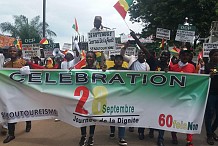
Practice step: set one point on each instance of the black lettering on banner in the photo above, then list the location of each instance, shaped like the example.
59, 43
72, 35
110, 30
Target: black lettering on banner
99, 76
48, 80
14, 76
81, 78
174, 79
35, 78
65, 78
154, 80
116, 78
133, 77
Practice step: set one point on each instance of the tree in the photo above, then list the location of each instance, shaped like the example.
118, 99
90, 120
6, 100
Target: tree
24, 29
169, 13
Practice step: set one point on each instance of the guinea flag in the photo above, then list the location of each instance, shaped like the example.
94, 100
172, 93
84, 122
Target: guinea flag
122, 7
18, 44
44, 41
75, 26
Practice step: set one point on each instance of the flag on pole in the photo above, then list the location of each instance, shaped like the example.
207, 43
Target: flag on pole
75, 26
18, 44
44, 41
82, 62
162, 43
122, 7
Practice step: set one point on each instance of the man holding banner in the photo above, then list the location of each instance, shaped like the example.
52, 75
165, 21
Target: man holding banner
15, 62
183, 66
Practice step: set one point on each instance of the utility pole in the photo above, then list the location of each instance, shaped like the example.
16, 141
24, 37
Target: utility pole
44, 11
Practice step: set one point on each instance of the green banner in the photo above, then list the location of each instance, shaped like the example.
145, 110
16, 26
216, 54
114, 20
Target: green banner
169, 101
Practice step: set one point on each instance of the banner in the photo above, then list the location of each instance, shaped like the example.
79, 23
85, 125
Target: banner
169, 101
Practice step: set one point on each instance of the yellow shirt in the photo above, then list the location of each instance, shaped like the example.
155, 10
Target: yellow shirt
19, 63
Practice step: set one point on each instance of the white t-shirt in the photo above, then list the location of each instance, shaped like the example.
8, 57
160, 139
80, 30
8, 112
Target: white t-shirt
2, 59
140, 66
72, 63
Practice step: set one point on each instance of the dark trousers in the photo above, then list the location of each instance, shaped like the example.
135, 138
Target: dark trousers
11, 127
141, 130
121, 131
211, 108
91, 130
160, 136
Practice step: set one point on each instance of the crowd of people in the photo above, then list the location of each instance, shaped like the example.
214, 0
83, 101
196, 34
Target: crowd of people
144, 61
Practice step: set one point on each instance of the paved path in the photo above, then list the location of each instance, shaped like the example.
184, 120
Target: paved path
50, 133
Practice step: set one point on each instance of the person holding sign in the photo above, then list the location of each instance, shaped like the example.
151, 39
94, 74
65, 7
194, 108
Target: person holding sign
97, 24
15, 62
97, 28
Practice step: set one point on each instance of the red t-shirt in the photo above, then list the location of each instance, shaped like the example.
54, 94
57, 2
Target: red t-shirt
189, 68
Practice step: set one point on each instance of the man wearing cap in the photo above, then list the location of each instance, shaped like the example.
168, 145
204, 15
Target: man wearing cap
183, 65
71, 60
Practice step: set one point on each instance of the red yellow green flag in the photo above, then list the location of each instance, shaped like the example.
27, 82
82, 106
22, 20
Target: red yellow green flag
82, 62
44, 41
18, 44
75, 26
162, 44
122, 7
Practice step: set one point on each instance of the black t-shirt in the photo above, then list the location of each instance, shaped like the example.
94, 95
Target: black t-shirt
214, 79
161, 65
152, 62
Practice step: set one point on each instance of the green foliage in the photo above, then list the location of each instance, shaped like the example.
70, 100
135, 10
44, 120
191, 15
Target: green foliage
169, 13
24, 29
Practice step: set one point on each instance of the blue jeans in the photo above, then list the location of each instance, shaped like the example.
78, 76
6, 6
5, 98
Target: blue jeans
160, 136
91, 131
211, 108
121, 131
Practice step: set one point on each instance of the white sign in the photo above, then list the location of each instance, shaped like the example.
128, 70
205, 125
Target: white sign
114, 52
67, 46
207, 47
163, 33
101, 40
129, 51
185, 36
48, 49
125, 38
31, 50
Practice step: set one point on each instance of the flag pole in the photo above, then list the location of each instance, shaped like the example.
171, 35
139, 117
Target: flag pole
127, 24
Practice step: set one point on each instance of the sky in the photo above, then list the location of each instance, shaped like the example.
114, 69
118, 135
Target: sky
60, 15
